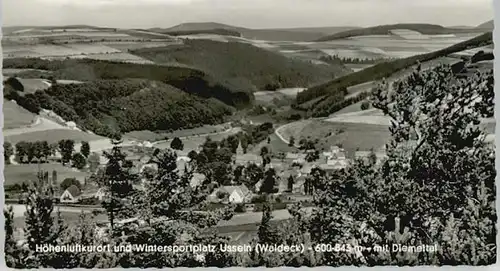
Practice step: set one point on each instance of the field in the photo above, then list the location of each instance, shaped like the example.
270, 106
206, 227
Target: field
156, 136
20, 173
52, 136
193, 142
15, 116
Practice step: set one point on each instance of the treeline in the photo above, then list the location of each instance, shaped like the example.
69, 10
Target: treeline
333, 104
189, 80
39, 151
386, 69
335, 59
243, 66
108, 107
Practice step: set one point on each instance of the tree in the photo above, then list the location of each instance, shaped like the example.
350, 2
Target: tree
266, 233
439, 186
13, 253
177, 144
69, 182
94, 161
117, 181
66, 147
41, 226
8, 151
21, 151
253, 174
291, 142
193, 155
79, 160
264, 153
85, 149
270, 182
268, 140
290, 183
54, 176
312, 155
244, 142
365, 105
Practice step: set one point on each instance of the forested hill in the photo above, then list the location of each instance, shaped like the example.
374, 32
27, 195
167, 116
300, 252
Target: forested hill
244, 66
189, 80
320, 100
426, 29
107, 107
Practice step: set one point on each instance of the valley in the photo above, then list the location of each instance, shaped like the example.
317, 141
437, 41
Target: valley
250, 115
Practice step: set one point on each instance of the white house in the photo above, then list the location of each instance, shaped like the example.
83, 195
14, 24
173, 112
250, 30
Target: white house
237, 194
71, 195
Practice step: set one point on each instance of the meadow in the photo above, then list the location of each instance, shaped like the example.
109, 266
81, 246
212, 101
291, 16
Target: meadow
52, 136
17, 174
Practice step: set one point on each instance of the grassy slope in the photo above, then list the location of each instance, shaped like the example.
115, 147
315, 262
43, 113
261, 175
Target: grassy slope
246, 66
383, 70
189, 80
427, 29
15, 116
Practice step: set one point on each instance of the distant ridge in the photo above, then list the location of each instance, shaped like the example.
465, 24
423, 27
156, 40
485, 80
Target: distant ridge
272, 34
426, 29
489, 25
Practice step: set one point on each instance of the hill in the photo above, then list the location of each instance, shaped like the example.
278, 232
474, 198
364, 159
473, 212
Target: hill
489, 25
197, 26
106, 107
426, 29
320, 99
292, 34
187, 79
245, 66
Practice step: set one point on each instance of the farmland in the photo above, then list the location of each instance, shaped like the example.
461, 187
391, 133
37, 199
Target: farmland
16, 116
17, 174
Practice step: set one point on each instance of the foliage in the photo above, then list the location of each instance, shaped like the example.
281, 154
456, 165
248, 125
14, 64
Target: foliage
41, 227
69, 182
177, 144
365, 105
244, 66
436, 186
270, 182
85, 149
312, 155
79, 161
117, 180
26, 152
66, 147
8, 151
214, 161
107, 107
240, 208
187, 79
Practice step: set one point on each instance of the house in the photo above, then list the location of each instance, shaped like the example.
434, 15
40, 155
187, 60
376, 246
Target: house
71, 195
197, 179
246, 158
97, 193
236, 194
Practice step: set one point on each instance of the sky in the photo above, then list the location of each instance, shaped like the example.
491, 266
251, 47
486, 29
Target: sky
245, 13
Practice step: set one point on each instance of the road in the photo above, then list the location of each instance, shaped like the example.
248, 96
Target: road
352, 92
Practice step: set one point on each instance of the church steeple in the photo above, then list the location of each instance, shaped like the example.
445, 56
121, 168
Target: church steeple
239, 150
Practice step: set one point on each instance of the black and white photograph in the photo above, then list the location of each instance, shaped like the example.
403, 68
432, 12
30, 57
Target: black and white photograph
238, 133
